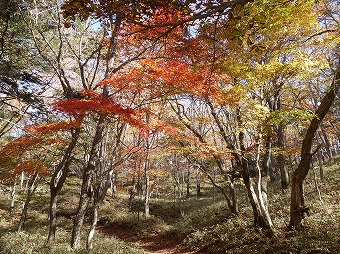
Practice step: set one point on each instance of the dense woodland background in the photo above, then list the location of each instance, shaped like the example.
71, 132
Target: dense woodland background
169, 126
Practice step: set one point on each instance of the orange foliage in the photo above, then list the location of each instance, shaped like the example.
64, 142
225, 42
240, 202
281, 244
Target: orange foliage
156, 24
12, 160
95, 102
170, 77
157, 125
19, 146
29, 166
52, 127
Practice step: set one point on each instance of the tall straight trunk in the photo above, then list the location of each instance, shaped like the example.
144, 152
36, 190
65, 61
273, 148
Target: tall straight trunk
13, 190
95, 215
30, 190
281, 158
133, 190
147, 176
57, 182
267, 164
85, 193
113, 183
22, 179
275, 105
147, 194
319, 155
180, 195
232, 191
298, 208
148, 145
94, 220
52, 215
188, 183
327, 143
198, 185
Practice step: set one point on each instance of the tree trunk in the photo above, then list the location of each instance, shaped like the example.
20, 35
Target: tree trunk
101, 184
198, 185
85, 196
22, 179
275, 105
89, 171
234, 205
260, 213
298, 207
327, 143
30, 190
94, 221
132, 191
281, 159
188, 183
85, 193
13, 189
319, 154
113, 183
262, 187
267, 163
147, 194
57, 182
259, 220
52, 216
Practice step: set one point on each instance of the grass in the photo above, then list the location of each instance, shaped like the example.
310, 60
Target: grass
207, 226
236, 235
34, 242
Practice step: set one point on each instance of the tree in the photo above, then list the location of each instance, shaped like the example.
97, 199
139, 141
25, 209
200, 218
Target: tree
298, 208
20, 83
21, 156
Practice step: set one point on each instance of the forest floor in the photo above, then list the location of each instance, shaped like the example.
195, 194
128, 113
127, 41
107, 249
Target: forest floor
207, 226
153, 243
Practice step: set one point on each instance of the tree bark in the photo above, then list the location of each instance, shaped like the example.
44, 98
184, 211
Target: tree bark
188, 182
147, 177
327, 143
319, 155
13, 189
198, 185
281, 158
113, 183
94, 221
30, 190
147, 194
85, 193
298, 208
261, 181
284, 176
260, 213
57, 182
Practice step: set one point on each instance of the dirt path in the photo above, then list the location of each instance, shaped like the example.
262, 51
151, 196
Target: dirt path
155, 243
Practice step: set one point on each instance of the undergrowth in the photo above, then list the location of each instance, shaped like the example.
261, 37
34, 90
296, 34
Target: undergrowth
214, 230
205, 225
